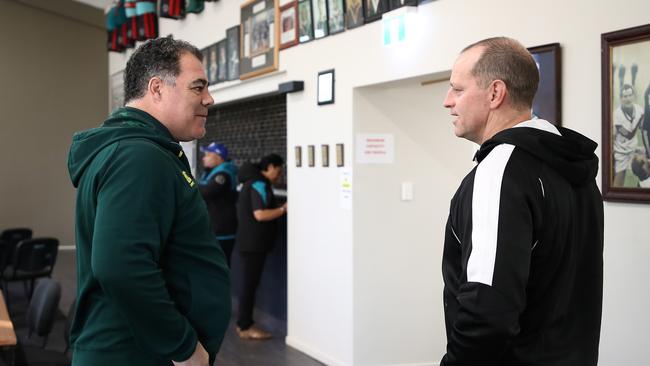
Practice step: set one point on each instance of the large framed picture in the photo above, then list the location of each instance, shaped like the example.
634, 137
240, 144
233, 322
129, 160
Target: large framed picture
626, 114
336, 16
319, 11
547, 103
374, 9
232, 52
305, 21
213, 61
259, 38
222, 60
289, 25
394, 4
206, 61
354, 13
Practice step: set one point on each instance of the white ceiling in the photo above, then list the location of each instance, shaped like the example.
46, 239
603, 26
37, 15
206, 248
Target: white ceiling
101, 4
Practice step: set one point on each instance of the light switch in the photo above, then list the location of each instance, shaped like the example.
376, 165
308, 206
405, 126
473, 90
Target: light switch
407, 191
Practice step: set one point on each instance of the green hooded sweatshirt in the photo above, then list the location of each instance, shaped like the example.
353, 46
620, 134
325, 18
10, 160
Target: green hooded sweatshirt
151, 278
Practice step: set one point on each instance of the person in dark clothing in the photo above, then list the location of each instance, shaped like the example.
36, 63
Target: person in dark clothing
257, 211
218, 186
523, 252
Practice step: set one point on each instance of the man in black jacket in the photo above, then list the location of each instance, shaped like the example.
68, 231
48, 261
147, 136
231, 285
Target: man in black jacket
257, 211
523, 253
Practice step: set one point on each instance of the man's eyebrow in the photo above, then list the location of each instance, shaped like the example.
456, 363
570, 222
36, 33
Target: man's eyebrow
201, 82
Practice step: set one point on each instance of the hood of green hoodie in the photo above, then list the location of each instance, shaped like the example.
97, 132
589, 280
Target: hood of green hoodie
124, 123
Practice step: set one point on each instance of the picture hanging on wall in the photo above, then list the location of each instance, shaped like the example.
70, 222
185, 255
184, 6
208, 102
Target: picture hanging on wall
626, 114
214, 65
310, 155
354, 13
298, 156
374, 9
325, 93
222, 60
206, 61
325, 155
319, 11
394, 4
289, 25
547, 103
336, 16
259, 38
340, 158
305, 21
232, 52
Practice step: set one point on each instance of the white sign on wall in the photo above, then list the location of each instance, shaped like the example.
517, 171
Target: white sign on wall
375, 148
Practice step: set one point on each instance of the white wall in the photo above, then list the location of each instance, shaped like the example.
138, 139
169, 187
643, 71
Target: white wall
332, 277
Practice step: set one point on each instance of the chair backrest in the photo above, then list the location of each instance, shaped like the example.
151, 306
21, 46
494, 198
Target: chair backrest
36, 256
6, 252
43, 306
16, 235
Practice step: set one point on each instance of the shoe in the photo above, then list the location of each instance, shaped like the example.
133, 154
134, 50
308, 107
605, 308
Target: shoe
253, 333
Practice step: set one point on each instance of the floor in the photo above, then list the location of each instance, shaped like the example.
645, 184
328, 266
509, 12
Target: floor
234, 351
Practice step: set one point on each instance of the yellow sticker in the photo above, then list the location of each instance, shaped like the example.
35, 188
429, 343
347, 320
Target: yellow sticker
188, 179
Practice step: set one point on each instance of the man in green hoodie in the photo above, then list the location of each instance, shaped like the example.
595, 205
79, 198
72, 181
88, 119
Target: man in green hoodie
153, 284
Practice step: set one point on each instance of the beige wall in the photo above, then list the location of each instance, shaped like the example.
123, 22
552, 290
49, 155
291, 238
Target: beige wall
53, 73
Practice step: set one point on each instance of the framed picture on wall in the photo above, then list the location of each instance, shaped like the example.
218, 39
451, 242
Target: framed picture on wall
626, 114
259, 37
325, 155
374, 9
232, 52
298, 156
305, 21
335, 16
222, 60
206, 61
214, 64
394, 4
325, 92
310, 155
289, 25
354, 13
319, 12
547, 103
340, 158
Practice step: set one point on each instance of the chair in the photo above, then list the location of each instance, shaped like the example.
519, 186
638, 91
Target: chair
33, 258
9, 238
43, 308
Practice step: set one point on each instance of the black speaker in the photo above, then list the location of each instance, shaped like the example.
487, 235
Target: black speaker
291, 86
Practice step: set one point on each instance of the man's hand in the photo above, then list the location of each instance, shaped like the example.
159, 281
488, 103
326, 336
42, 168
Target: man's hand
200, 357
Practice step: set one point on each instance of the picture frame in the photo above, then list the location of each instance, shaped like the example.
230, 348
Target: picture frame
625, 69
259, 38
320, 19
298, 156
222, 61
354, 13
326, 81
547, 103
373, 9
289, 25
213, 70
325, 155
310, 156
340, 156
305, 21
206, 62
335, 16
232, 52
394, 4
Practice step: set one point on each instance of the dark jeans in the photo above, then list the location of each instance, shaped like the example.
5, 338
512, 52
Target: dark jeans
227, 245
252, 264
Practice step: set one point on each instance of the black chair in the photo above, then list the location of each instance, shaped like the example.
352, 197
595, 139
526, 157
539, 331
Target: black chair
33, 258
43, 308
9, 238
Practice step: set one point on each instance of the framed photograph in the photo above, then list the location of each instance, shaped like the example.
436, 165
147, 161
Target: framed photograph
340, 158
259, 37
326, 87
222, 61
232, 52
335, 16
319, 12
394, 4
626, 114
305, 21
206, 61
310, 155
354, 13
325, 155
214, 64
548, 100
374, 9
298, 155
289, 25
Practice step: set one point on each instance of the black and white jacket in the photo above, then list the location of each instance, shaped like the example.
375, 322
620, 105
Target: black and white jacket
523, 254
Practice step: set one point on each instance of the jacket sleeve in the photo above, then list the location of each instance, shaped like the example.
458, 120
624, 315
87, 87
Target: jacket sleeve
135, 211
218, 185
493, 297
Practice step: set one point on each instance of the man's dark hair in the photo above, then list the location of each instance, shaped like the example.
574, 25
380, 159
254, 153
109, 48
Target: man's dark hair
271, 159
157, 57
627, 87
507, 60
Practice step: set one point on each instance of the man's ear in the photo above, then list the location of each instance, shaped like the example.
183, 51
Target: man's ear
497, 93
154, 88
